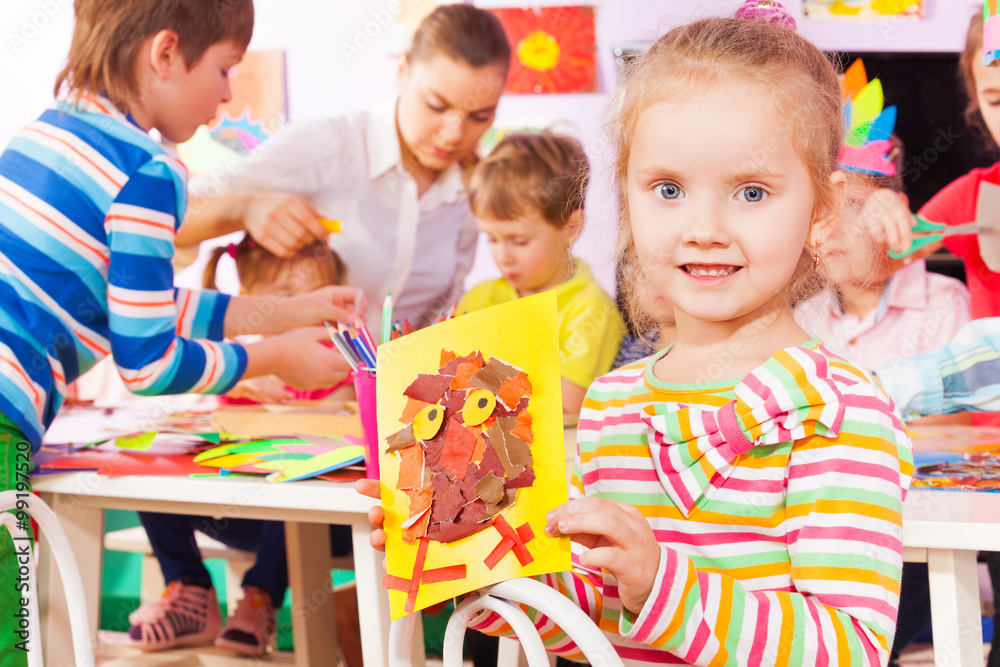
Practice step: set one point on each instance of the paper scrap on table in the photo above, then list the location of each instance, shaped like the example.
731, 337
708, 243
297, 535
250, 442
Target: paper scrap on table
473, 456
285, 459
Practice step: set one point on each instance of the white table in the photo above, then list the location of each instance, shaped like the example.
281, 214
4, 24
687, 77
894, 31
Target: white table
79, 500
945, 529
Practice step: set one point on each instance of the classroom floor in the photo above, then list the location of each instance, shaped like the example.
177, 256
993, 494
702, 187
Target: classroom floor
921, 655
112, 653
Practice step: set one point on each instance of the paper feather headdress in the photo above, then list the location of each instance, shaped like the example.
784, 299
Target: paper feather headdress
991, 32
868, 139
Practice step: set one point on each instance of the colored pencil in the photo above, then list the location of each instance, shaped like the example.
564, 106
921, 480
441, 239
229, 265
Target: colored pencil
362, 347
387, 318
360, 325
342, 346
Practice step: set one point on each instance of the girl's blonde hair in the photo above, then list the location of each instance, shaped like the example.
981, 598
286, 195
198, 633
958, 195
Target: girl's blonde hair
526, 173
973, 49
258, 268
801, 83
108, 34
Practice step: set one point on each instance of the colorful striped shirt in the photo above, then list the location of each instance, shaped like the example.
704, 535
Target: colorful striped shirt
777, 505
89, 205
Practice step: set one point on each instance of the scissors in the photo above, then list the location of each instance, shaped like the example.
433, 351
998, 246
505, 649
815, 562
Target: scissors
932, 232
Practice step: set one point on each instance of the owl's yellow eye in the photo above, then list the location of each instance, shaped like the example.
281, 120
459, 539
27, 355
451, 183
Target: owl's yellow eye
478, 407
428, 422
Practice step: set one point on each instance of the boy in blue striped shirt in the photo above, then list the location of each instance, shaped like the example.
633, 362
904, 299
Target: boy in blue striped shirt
89, 205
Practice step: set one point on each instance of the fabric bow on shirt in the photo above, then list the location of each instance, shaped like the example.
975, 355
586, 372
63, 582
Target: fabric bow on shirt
788, 397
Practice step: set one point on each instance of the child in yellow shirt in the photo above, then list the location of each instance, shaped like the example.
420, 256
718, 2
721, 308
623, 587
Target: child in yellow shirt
528, 197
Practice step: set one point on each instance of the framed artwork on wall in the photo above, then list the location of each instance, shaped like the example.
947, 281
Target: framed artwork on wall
863, 10
553, 49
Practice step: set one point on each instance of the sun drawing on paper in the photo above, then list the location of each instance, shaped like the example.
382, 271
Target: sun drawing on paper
466, 448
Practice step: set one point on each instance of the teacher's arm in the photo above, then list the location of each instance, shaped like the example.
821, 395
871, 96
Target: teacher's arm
269, 193
281, 222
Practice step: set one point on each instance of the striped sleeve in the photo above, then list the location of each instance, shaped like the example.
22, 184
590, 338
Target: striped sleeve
145, 321
201, 313
960, 376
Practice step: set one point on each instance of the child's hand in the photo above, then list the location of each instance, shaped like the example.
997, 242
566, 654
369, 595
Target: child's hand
282, 223
304, 359
263, 389
327, 304
886, 214
371, 488
619, 540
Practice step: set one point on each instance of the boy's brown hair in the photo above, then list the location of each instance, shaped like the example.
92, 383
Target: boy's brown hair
108, 34
526, 172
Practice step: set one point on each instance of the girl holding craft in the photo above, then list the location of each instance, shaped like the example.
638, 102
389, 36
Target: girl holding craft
393, 176
744, 479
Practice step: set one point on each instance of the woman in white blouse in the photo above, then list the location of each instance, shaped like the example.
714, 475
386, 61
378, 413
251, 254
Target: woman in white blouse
394, 175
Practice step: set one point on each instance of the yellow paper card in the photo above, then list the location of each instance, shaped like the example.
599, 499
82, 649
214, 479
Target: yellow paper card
489, 389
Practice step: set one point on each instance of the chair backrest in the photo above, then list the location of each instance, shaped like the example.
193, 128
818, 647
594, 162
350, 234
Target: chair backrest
68, 571
502, 598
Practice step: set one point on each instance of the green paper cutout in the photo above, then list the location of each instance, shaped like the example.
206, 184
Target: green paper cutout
859, 135
286, 456
259, 446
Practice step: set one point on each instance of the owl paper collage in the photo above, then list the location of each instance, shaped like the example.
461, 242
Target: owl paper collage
472, 452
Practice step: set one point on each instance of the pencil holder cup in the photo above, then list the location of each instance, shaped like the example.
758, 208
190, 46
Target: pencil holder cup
364, 388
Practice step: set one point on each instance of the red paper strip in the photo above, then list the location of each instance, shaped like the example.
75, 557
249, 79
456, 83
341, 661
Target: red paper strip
394, 583
499, 551
439, 574
520, 550
432, 576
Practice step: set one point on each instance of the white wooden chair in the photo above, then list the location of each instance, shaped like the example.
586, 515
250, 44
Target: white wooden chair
502, 598
62, 553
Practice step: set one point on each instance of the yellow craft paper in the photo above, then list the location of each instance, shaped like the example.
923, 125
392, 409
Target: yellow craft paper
522, 333
230, 460
139, 442
868, 104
